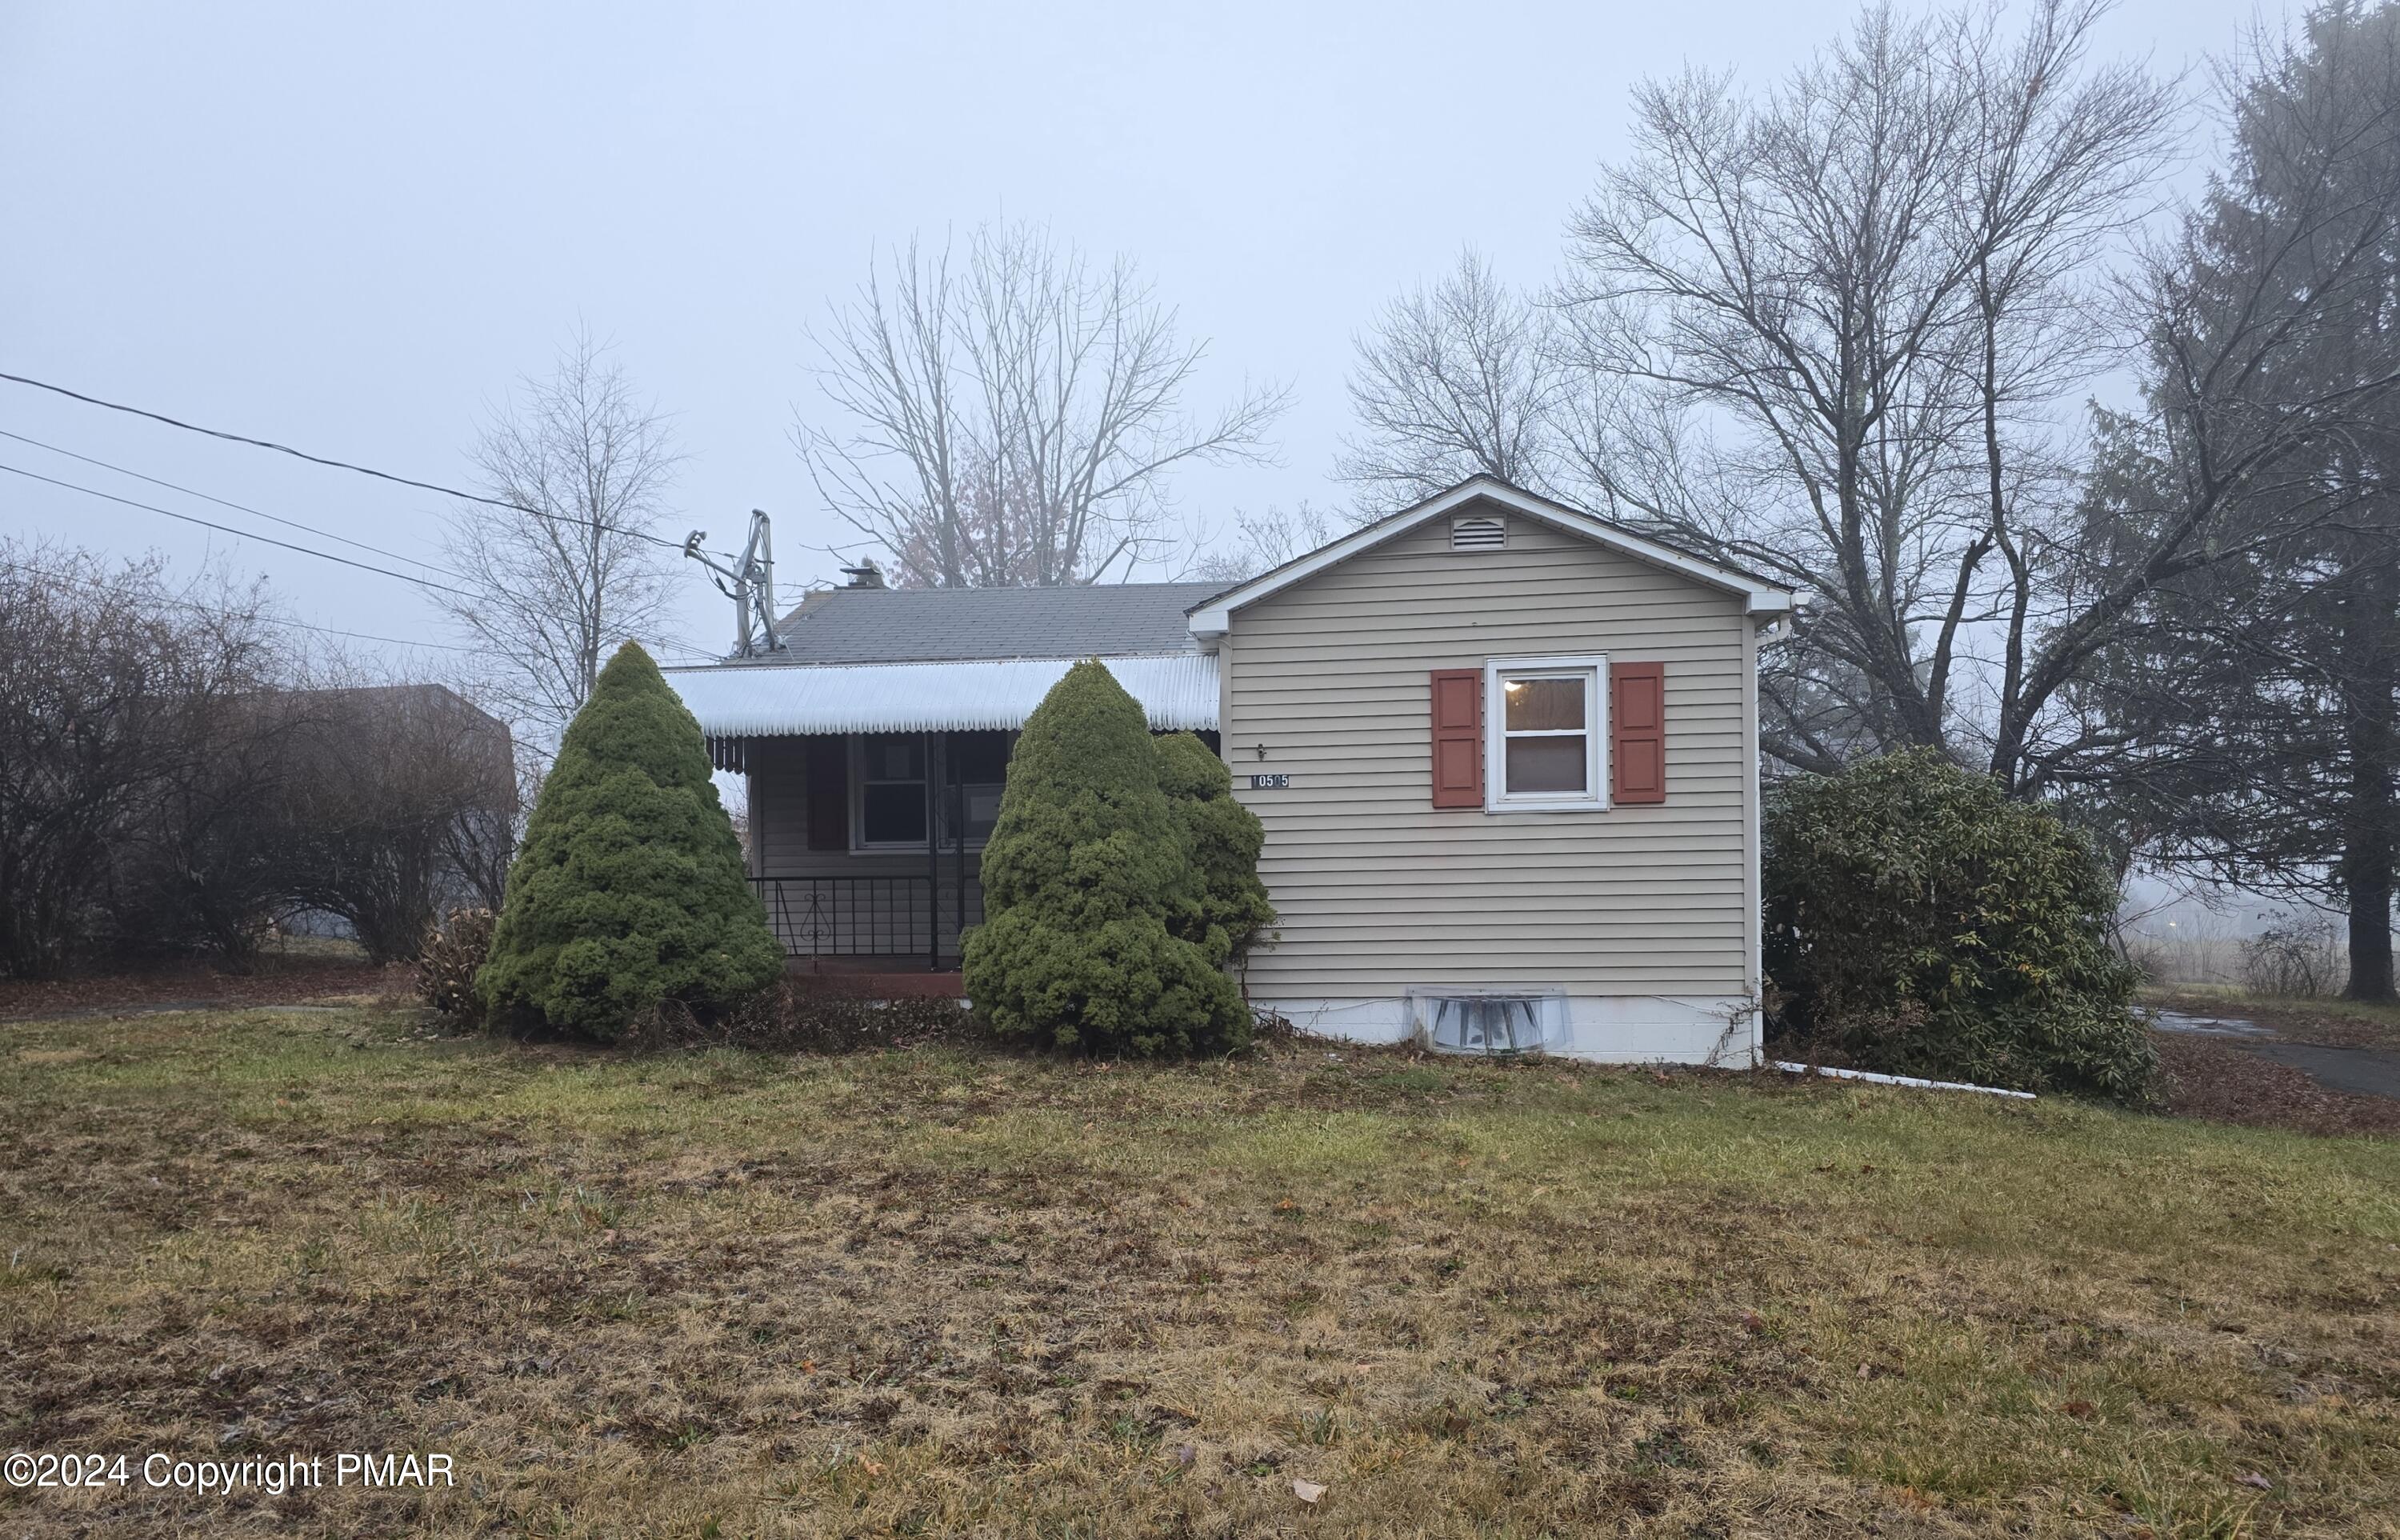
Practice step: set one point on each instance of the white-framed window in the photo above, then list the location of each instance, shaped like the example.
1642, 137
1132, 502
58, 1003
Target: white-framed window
1546, 734
887, 788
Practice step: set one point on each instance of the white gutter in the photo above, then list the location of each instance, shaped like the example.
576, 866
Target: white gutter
1911, 1081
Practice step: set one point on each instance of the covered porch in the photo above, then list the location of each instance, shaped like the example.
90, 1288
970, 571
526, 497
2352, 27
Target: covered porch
872, 789
866, 848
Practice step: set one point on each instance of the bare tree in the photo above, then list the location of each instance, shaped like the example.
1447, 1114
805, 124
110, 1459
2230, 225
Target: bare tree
120, 782
1454, 379
1831, 332
402, 801
1263, 541
575, 567
1016, 421
2061, 156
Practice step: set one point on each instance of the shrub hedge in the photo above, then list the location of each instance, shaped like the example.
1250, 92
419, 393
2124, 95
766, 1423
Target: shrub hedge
1921, 922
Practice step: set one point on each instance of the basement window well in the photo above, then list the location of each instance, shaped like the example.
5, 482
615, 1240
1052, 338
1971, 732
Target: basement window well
1493, 1023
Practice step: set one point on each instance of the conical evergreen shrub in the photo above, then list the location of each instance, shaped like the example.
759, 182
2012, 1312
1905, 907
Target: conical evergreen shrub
1224, 839
629, 890
1089, 892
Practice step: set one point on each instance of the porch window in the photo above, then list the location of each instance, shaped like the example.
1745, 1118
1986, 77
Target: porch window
890, 781
890, 772
1544, 720
976, 774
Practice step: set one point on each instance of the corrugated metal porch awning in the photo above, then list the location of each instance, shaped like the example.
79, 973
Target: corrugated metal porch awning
1178, 692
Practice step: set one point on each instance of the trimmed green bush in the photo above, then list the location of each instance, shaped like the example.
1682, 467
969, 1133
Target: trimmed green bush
629, 890
1222, 837
1923, 924
1089, 892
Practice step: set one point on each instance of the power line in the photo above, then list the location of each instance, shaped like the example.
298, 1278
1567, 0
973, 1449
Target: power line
368, 636
244, 534
342, 465
226, 502
153, 596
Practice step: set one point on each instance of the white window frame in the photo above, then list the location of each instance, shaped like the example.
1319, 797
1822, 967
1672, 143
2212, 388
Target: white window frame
1593, 669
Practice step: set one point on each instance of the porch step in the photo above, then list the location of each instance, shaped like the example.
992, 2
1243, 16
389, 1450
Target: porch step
875, 978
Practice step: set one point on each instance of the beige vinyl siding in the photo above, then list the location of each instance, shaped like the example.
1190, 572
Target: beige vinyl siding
1377, 890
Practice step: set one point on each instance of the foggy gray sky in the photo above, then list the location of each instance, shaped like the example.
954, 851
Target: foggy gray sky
350, 233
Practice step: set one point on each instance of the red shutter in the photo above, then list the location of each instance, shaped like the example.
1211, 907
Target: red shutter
1458, 738
828, 790
1637, 732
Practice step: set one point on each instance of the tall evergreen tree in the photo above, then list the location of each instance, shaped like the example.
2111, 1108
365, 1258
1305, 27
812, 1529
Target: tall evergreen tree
629, 890
2248, 722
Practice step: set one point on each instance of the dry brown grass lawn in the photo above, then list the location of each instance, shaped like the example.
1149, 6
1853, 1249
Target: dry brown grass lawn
944, 1292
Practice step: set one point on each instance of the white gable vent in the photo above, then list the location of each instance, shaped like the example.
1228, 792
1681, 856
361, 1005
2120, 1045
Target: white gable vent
1479, 532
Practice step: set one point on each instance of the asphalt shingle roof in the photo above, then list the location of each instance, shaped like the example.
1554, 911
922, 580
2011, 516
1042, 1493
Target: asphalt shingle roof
895, 625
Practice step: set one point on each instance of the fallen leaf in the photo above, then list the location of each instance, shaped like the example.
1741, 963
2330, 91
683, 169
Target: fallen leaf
2253, 1480
870, 1466
808, 1365
2080, 1409
1866, 1372
1307, 1491
1750, 1323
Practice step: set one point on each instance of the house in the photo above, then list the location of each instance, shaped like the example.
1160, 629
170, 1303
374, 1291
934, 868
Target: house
1505, 754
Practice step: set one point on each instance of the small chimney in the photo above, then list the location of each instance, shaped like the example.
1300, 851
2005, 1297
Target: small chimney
865, 574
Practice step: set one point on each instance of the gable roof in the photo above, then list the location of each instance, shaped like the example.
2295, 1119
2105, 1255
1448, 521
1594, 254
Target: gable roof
897, 626
1213, 616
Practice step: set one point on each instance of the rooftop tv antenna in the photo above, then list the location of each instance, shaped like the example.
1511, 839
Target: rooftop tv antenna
752, 586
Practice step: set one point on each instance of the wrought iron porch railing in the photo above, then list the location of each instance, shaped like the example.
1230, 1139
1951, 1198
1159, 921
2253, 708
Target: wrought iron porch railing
867, 916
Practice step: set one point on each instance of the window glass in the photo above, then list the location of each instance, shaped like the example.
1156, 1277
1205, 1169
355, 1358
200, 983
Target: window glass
892, 791
978, 770
1546, 765
1544, 705
895, 758
892, 813
982, 809
1544, 730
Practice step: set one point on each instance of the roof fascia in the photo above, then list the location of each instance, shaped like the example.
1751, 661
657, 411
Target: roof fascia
1214, 617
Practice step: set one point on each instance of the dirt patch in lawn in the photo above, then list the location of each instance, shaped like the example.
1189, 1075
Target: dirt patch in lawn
947, 1291
270, 979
